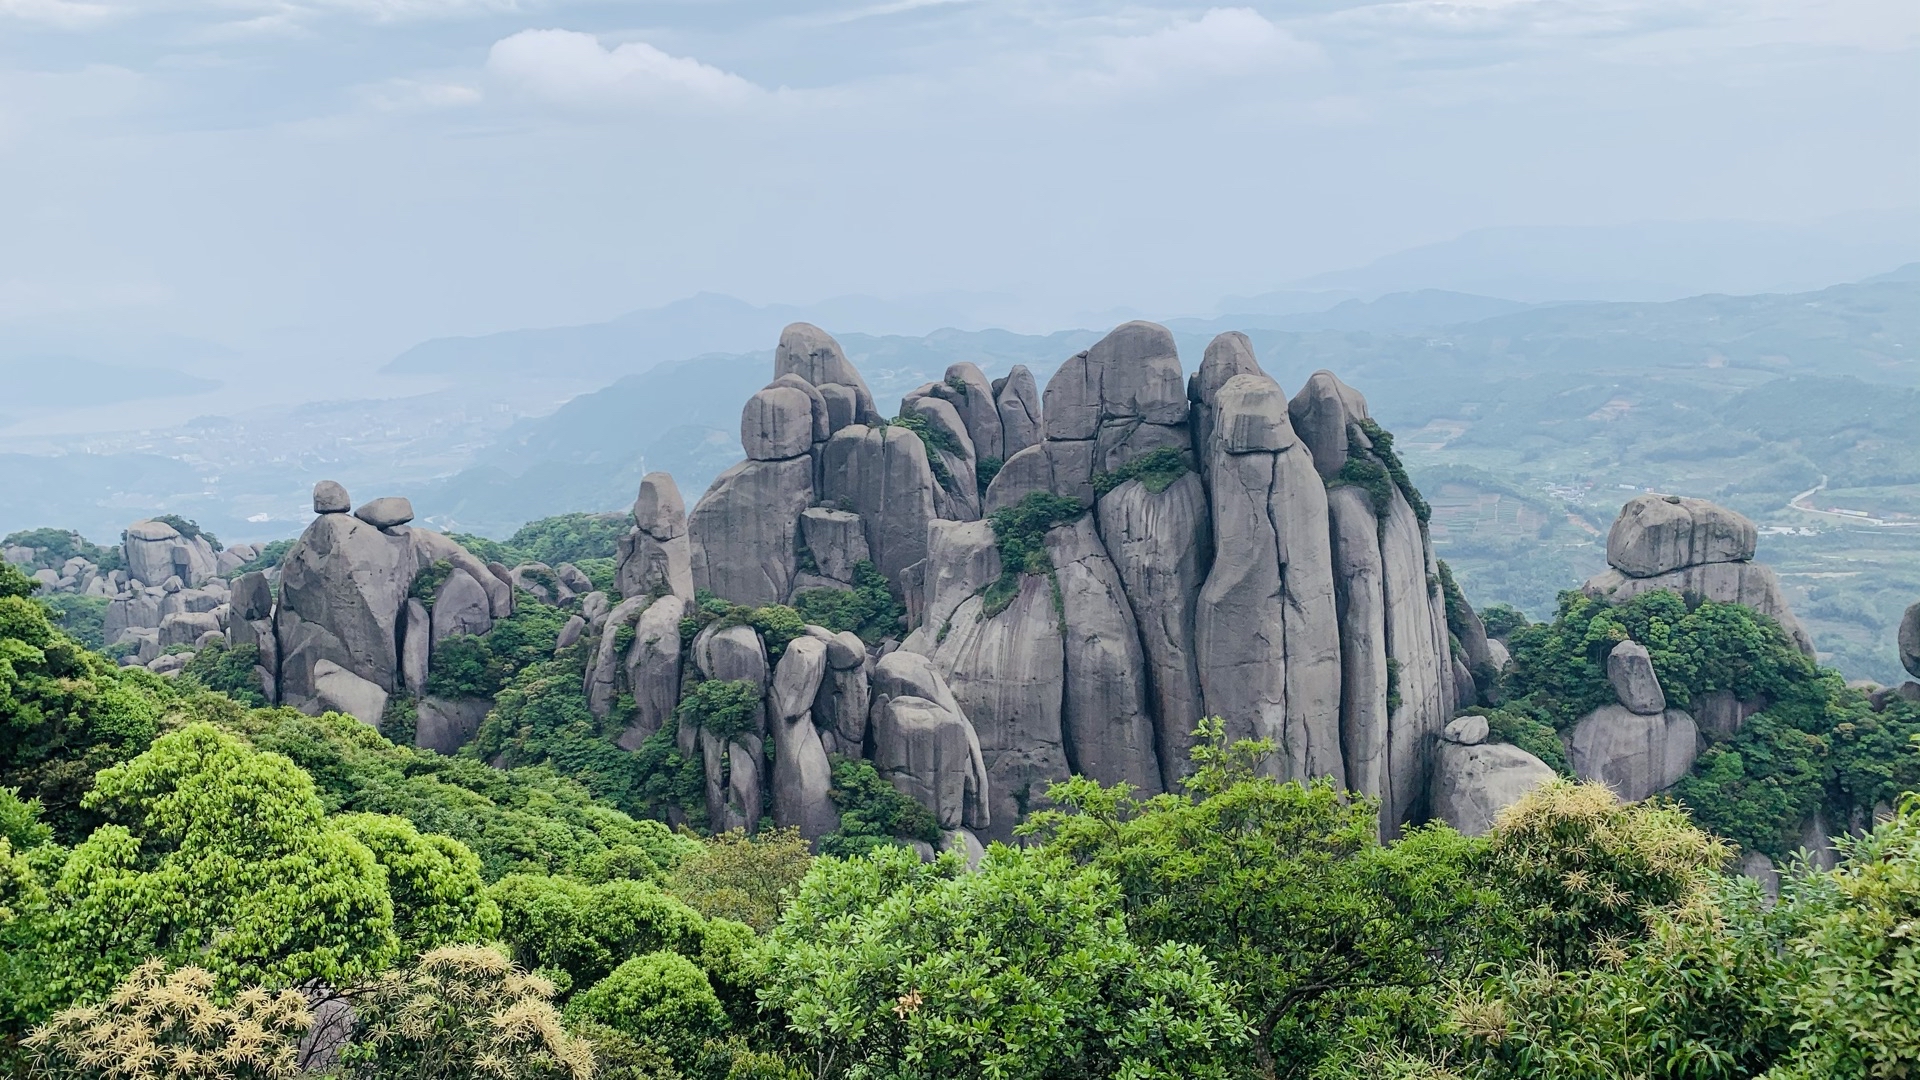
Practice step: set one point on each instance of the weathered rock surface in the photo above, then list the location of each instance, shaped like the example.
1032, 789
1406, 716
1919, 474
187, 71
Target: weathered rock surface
330, 498
335, 689
656, 555
1018, 401
1909, 641
386, 513
1227, 355
416, 639
837, 539
809, 352
956, 492
1473, 782
776, 424
1010, 670
882, 475
1267, 636
155, 551
1104, 711
1633, 754
460, 607
1657, 534
1060, 467
652, 669
444, 725
342, 587
742, 531
1630, 670
1161, 545
802, 775
966, 388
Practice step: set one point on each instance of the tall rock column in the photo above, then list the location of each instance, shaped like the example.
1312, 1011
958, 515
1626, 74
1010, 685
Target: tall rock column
742, 531
1266, 629
343, 586
1397, 667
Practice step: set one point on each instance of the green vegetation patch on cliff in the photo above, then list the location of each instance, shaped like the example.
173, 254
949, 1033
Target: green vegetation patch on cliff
936, 440
1020, 532
1156, 470
868, 609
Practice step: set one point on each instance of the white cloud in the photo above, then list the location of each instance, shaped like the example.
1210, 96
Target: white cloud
65, 14
419, 95
566, 67
1221, 42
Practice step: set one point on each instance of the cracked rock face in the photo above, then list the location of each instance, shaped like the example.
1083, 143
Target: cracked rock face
1266, 628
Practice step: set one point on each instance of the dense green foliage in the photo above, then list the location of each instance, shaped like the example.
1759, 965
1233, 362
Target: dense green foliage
936, 440
1322, 928
82, 618
721, 706
873, 813
868, 609
53, 547
1816, 747
902, 969
1156, 470
1020, 532
480, 666
555, 540
229, 671
748, 879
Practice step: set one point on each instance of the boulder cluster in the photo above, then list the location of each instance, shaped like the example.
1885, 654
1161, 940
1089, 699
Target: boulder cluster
1088, 573
1696, 548
169, 599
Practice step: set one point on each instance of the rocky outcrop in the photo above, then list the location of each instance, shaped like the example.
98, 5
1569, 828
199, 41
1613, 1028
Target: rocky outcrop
1695, 548
1630, 670
742, 531
1473, 780
1161, 544
802, 775
1266, 630
925, 745
343, 586
882, 475
1017, 399
807, 351
733, 762
1635, 754
1104, 711
656, 555
1909, 641
156, 551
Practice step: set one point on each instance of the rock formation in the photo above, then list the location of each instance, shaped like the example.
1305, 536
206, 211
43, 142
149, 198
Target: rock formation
1473, 780
1694, 547
1211, 549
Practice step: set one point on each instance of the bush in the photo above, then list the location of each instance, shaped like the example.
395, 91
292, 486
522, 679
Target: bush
777, 625
1020, 532
230, 671
868, 609
461, 1012
748, 879
82, 618
873, 813
1156, 471
481, 666
721, 706
660, 997
160, 1024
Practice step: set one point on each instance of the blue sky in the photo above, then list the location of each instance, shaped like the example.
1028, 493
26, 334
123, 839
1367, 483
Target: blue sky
377, 171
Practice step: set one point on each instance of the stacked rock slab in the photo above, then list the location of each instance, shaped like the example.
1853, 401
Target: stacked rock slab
1693, 547
1397, 690
1473, 779
655, 576
1636, 746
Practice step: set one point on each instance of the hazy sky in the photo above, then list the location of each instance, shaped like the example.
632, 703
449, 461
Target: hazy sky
378, 171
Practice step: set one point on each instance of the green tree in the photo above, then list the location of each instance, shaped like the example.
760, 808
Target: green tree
659, 997
1585, 873
433, 881
885, 966
1858, 1005
577, 933
1287, 887
748, 879
220, 855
